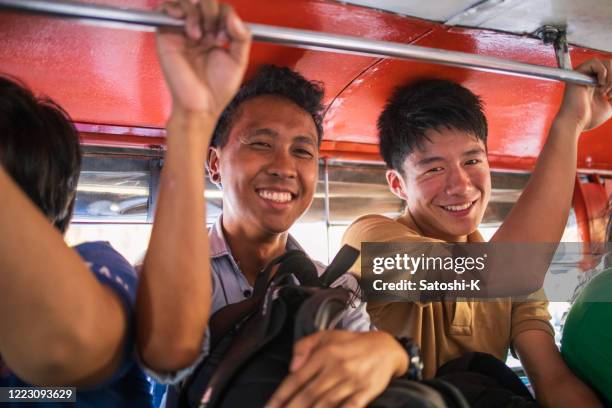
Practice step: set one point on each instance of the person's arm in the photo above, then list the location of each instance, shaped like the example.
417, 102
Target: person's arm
52, 307
175, 290
548, 195
553, 382
340, 369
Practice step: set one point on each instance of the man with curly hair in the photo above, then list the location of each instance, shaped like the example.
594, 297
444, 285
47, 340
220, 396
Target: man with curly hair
264, 157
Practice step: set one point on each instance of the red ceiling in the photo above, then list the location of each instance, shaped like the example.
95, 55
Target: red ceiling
109, 79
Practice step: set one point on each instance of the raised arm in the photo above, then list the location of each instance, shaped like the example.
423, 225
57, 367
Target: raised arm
548, 195
203, 67
51, 306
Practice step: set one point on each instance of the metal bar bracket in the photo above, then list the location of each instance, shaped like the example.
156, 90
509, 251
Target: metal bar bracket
557, 36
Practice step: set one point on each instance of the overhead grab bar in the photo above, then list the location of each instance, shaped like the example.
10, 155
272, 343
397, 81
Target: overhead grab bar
149, 20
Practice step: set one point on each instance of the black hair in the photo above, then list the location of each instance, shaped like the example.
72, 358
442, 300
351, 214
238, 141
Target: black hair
278, 81
415, 108
39, 149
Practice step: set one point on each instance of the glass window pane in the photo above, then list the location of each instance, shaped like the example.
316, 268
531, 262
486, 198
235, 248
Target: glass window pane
109, 195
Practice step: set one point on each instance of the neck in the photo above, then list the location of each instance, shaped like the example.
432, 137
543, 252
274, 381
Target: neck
251, 250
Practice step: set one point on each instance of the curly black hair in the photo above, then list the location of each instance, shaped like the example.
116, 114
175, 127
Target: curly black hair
39, 149
415, 108
279, 81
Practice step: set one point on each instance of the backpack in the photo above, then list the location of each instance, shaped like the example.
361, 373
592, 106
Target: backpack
252, 340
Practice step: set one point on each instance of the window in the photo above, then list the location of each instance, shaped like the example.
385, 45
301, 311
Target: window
114, 201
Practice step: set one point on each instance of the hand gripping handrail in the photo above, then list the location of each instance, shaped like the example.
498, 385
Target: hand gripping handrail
149, 21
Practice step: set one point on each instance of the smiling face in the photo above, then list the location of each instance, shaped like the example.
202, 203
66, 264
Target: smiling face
268, 167
446, 184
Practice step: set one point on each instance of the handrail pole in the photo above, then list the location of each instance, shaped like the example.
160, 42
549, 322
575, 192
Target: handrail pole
143, 19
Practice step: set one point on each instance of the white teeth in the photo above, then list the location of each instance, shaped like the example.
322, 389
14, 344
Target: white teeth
276, 196
458, 207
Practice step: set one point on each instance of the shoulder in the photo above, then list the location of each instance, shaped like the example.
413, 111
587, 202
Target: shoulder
372, 219
347, 280
368, 224
110, 267
101, 251
378, 228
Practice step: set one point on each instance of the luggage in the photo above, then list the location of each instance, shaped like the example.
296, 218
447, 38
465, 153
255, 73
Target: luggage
486, 382
252, 341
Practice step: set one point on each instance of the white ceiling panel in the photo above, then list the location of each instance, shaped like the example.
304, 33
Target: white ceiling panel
438, 10
589, 22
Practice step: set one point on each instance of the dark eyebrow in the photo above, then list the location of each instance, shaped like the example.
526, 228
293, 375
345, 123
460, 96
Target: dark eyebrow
272, 133
429, 160
305, 139
472, 152
433, 159
265, 132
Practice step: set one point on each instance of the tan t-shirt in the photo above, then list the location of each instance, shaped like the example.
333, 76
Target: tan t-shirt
445, 330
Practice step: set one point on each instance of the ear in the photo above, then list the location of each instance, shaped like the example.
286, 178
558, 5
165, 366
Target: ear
397, 185
213, 165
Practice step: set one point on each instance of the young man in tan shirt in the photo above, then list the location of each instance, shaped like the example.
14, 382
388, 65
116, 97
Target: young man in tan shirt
433, 140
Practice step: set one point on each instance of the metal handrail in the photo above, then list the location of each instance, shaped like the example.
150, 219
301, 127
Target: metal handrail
149, 20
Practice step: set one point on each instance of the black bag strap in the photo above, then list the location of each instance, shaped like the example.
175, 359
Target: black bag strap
229, 316
298, 264
255, 334
292, 262
341, 263
258, 328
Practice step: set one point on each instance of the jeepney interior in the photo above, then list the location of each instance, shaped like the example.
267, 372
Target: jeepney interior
109, 81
